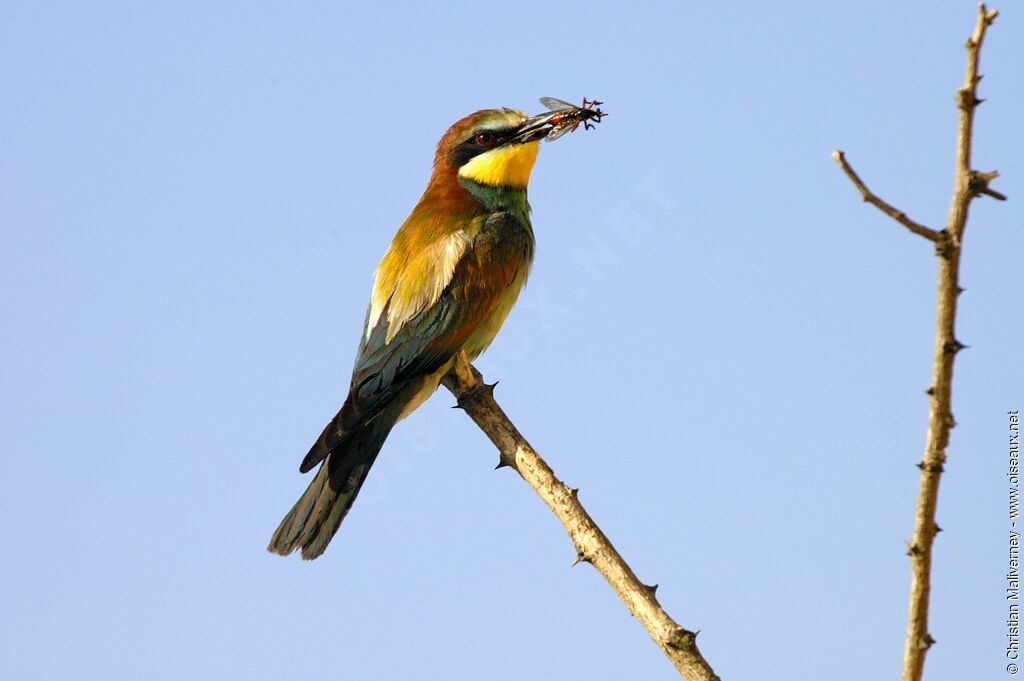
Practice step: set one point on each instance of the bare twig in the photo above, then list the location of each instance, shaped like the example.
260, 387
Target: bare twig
896, 214
968, 184
592, 546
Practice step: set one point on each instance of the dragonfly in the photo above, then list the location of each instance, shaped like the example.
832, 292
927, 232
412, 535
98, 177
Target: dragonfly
567, 117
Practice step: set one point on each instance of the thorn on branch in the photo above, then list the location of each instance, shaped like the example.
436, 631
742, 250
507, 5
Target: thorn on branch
927, 642
998, 196
951, 347
930, 392
978, 183
913, 549
506, 461
581, 558
651, 588
574, 492
681, 639
466, 398
937, 528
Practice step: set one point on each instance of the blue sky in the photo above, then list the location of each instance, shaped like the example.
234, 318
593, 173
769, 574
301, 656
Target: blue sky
720, 345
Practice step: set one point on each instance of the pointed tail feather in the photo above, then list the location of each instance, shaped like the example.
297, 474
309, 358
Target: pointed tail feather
318, 513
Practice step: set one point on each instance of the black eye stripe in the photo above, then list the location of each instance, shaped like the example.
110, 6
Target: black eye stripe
468, 148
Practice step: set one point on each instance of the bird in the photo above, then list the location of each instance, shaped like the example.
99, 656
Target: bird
444, 287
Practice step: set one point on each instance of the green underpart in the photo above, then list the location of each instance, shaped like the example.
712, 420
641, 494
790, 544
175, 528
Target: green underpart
496, 198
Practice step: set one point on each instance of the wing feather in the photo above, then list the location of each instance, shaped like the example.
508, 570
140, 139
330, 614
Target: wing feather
407, 284
425, 333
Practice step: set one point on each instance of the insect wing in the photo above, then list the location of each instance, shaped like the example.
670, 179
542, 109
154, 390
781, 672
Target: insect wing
555, 104
561, 130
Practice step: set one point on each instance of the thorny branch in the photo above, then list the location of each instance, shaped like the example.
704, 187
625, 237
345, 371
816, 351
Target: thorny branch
592, 546
969, 183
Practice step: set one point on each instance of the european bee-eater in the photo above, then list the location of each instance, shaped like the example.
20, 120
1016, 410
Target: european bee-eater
446, 284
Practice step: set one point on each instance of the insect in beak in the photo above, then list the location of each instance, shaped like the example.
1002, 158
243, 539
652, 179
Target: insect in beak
561, 118
569, 116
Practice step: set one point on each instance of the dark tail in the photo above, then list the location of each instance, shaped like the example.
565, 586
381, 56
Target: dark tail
318, 513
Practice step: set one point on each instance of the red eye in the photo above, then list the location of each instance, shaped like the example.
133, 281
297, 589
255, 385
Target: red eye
485, 139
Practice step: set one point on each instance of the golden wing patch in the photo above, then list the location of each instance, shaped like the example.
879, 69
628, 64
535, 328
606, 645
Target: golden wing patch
408, 284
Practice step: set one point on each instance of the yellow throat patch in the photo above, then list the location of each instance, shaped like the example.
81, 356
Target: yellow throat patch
506, 166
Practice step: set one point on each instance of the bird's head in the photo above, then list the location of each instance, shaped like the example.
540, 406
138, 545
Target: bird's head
493, 147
